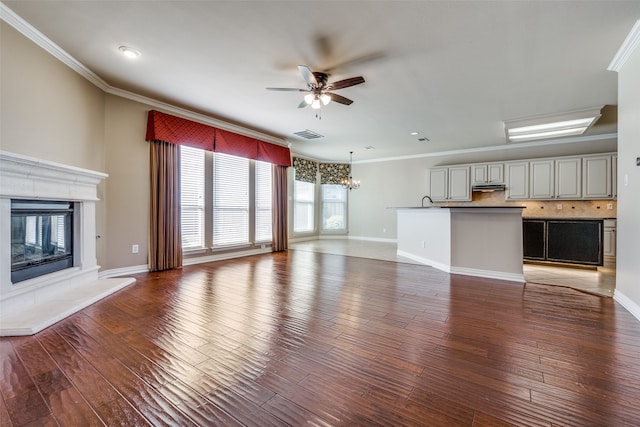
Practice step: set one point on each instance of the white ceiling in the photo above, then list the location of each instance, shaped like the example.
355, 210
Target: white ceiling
451, 70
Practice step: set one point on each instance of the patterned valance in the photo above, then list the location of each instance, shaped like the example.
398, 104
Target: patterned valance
305, 170
176, 130
334, 173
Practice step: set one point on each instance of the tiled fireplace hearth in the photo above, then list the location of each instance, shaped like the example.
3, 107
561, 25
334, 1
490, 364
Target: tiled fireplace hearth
31, 305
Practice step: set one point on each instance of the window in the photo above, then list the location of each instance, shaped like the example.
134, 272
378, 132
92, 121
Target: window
303, 197
230, 200
192, 197
225, 200
334, 207
263, 202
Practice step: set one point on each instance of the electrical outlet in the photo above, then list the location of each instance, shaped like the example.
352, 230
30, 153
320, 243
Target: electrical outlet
609, 206
135, 249
559, 206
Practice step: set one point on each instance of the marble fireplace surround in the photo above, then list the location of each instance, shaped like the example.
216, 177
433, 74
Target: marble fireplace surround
32, 305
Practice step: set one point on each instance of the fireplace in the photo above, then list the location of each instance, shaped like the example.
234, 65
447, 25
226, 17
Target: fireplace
48, 265
41, 238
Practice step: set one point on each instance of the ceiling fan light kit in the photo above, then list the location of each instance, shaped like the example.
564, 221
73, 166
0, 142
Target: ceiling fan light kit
319, 90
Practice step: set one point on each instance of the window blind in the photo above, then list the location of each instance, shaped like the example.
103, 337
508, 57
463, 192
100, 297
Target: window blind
303, 196
192, 197
230, 200
263, 202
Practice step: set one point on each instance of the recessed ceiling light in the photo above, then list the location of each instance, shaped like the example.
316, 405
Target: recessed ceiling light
414, 133
369, 147
130, 52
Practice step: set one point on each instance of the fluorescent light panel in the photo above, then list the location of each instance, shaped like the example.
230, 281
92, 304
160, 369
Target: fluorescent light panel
551, 126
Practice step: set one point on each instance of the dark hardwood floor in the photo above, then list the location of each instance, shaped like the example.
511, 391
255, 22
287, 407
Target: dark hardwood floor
303, 338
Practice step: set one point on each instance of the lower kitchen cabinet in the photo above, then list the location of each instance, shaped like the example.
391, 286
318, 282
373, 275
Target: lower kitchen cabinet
609, 243
563, 240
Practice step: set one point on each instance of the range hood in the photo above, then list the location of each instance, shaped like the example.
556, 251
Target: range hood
488, 188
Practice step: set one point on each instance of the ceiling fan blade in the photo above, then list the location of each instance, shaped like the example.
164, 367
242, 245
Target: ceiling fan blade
303, 104
341, 84
307, 75
339, 99
287, 89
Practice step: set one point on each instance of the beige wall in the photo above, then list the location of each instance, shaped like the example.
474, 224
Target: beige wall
48, 110
127, 188
398, 183
628, 224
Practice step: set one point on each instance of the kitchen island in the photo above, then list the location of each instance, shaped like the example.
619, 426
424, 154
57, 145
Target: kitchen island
484, 241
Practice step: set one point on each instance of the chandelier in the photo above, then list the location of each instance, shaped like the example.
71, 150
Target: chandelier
350, 183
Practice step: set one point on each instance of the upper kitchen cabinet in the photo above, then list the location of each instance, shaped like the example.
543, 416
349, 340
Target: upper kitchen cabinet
450, 184
541, 183
517, 180
490, 173
597, 177
568, 177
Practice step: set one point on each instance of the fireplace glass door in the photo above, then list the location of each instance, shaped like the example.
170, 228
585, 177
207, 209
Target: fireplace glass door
41, 238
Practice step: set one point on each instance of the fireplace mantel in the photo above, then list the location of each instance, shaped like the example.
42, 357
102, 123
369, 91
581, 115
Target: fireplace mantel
32, 305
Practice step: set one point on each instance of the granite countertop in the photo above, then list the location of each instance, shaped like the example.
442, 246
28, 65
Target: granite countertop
459, 207
567, 218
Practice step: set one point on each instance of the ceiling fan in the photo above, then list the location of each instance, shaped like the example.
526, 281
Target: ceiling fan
319, 90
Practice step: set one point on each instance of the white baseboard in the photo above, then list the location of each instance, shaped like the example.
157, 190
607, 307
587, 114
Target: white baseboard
627, 303
225, 255
431, 263
124, 271
373, 239
489, 274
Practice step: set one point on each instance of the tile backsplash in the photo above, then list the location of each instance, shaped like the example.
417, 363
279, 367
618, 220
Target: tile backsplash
550, 208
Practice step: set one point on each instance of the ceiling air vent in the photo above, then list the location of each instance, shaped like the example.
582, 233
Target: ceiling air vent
308, 134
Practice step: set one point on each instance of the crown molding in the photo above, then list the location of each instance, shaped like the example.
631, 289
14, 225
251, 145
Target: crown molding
628, 46
188, 114
511, 146
26, 29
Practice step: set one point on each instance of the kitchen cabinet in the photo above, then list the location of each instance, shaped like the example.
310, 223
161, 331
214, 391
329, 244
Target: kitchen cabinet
572, 241
517, 180
597, 177
533, 239
609, 240
450, 184
614, 176
491, 173
541, 181
568, 178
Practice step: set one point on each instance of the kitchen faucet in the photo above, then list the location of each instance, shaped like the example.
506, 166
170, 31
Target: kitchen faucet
426, 197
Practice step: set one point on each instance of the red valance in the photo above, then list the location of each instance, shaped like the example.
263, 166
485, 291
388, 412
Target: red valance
176, 130
236, 145
275, 154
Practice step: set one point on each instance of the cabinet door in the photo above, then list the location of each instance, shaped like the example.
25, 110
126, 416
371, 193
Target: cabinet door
479, 174
609, 243
495, 173
517, 180
439, 183
596, 181
541, 179
568, 178
459, 186
614, 177
533, 239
